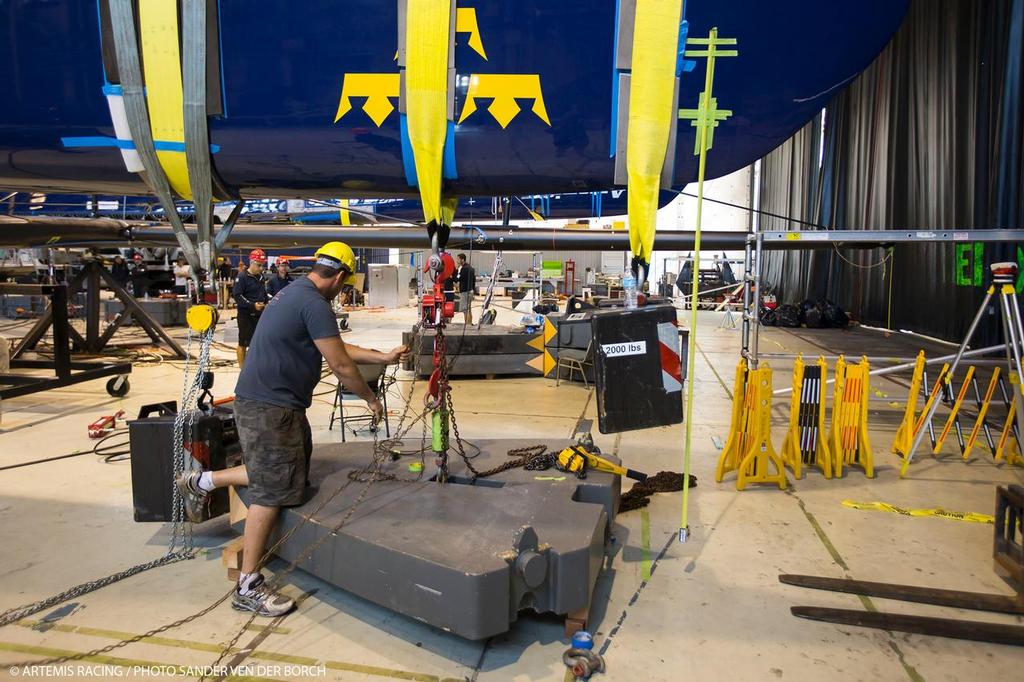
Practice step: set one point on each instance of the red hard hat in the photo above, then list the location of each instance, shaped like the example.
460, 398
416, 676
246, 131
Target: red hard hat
137, 256
258, 255
283, 260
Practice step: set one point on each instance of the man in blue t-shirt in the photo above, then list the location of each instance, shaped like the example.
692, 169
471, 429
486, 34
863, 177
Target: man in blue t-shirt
297, 331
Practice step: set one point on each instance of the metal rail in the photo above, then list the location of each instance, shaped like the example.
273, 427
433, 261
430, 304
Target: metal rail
32, 231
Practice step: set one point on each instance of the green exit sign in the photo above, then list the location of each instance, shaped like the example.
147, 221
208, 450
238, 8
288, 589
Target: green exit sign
971, 266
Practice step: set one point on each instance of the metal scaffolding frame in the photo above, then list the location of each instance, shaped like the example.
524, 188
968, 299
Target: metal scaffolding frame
758, 241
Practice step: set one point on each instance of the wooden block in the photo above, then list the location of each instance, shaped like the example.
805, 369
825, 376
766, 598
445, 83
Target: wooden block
576, 621
236, 510
231, 557
233, 574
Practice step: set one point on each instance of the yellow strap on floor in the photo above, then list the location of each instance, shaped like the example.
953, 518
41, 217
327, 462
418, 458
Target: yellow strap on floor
161, 63
427, 28
972, 517
652, 112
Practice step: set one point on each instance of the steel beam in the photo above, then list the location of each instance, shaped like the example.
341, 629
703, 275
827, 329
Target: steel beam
42, 231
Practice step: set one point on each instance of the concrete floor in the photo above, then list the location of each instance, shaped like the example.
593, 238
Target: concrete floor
711, 609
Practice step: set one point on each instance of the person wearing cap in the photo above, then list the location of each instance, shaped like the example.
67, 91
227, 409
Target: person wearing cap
140, 275
280, 279
250, 294
297, 332
119, 271
224, 282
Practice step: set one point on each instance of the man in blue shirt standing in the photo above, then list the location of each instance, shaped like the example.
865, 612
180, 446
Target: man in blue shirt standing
250, 294
279, 280
298, 330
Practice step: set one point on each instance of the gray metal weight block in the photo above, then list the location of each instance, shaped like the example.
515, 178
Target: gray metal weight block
464, 558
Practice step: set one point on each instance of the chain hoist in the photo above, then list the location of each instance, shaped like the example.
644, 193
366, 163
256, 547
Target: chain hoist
435, 311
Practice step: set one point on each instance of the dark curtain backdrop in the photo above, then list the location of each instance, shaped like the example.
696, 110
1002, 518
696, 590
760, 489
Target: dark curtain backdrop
928, 137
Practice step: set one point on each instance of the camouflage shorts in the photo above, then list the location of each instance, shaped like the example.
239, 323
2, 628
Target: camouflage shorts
276, 447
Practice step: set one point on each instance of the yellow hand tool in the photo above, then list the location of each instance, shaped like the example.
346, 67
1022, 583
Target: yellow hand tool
576, 459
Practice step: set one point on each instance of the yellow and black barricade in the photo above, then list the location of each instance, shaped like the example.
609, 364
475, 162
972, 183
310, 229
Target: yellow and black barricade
749, 449
806, 443
1008, 447
908, 427
953, 418
981, 423
902, 446
848, 435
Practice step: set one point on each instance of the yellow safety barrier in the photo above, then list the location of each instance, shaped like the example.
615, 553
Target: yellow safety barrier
905, 433
806, 441
749, 449
848, 435
951, 419
919, 423
982, 411
1007, 450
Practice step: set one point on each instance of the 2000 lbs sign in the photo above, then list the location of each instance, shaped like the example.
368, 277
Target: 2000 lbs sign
618, 350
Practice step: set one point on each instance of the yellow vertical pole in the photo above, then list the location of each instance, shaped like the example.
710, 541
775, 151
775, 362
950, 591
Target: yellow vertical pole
709, 75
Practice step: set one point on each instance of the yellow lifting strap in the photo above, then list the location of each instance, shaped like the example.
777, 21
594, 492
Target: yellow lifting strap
427, 40
161, 64
652, 113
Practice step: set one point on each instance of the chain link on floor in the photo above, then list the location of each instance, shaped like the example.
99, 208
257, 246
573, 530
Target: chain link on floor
180, 547
182, 537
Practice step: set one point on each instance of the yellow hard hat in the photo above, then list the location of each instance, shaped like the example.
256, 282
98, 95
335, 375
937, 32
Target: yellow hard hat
338, 255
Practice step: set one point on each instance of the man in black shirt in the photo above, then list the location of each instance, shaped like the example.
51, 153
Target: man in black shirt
280, 279
467, 287
119, 271
250, 294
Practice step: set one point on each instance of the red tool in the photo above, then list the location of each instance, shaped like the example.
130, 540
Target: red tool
104, 425
434, 308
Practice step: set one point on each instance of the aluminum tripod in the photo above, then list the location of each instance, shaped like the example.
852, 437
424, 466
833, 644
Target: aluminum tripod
1003, 277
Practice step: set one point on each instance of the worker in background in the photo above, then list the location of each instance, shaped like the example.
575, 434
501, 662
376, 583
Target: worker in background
119, 271
140, 276
467, 287
280, 279
224, 282
181, 275
250, 294
298, 331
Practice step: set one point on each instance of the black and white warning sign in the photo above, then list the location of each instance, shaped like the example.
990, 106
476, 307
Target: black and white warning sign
618, 350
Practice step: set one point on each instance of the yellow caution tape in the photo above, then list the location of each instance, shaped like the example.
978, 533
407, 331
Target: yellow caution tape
972, 517
549, 478
161, 61
426, 94
651, 115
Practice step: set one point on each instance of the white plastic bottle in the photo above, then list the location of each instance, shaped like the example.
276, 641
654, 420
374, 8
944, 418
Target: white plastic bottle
629, 286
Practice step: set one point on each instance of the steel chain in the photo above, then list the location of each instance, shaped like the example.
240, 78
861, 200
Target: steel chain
372, 473
180, 546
